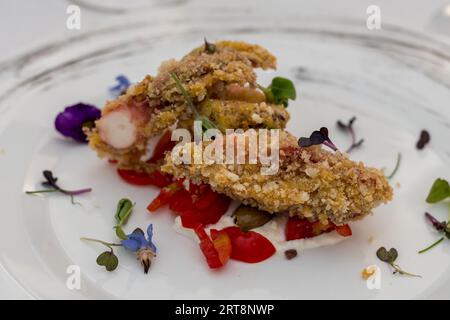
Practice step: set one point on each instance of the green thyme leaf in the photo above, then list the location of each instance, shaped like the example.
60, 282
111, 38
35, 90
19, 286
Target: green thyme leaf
280, 91
123, 212
108, 260
206, 123
439, 191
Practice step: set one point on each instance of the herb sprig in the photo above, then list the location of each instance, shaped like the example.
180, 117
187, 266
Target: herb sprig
397, 166
349, 128
206, 123
51, 184
390, 257
280, 91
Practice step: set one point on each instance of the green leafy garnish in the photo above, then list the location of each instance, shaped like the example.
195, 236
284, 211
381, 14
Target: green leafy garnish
390, 257
123, 213
210, 48
206, 123
106, 259
109, 260
439, 191
280, 91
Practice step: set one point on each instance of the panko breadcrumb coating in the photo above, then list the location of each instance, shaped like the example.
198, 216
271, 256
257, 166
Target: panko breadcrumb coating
222, 84
311, 183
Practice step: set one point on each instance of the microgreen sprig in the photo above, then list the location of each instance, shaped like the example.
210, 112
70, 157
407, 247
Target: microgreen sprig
280, 91
51, 184
441, 227
210, 48
397, 165
349, 128
123, 213
107, 259
316, 138
206, 123
390, 257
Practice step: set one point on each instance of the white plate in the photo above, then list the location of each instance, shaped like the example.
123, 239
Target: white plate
396, 83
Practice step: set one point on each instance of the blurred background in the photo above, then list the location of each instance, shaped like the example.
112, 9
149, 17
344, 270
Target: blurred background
26, 23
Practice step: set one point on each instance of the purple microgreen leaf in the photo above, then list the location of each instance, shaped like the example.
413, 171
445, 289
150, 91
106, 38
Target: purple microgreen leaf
438, 225
316, 138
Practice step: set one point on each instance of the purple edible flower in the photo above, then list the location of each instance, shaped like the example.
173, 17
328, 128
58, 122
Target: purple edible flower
71, 121
144, 247
316, 138
122, 85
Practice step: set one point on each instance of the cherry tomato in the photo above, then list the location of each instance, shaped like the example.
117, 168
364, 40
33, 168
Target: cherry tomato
250, 247
344, 230
222, 243
191, 218
164, 144
299, 228
163, 198
155, 178
209, 250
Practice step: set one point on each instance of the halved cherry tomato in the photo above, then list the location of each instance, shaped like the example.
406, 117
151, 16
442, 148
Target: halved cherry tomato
210, 251
344, 230
298, 228
164, 144
164, 197
250, 247
194, 217
155, 178
222, 243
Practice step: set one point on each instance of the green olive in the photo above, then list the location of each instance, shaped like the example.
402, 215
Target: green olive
248, 218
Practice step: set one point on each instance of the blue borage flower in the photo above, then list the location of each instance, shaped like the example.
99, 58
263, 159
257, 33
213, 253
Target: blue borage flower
144, 247
73, 119
122, 85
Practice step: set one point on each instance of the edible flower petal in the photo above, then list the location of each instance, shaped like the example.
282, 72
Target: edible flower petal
121, 86
73, 119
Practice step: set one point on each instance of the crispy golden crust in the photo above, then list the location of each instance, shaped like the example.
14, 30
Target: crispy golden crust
311, 183
161, 105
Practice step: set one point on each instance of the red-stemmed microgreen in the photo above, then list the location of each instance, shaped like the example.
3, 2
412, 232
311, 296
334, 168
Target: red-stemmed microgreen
390, 257
397, 166
316, 138
348, 127
442, 227
51, 183
440, 191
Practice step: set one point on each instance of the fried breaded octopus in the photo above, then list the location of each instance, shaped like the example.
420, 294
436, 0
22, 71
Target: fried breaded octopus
310, 182
221, 83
